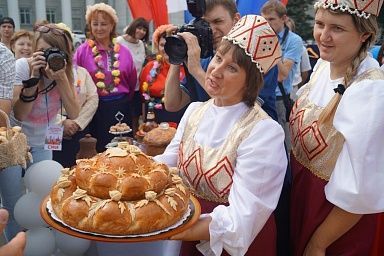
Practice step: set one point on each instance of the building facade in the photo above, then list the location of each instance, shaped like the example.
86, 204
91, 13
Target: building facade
72, 12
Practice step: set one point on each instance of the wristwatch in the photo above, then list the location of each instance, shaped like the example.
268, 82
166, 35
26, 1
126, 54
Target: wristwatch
31, 82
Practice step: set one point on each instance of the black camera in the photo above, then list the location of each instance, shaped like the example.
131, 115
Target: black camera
55, 58
175, 46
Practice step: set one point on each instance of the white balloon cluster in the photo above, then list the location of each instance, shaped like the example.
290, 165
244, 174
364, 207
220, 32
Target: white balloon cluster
41, 240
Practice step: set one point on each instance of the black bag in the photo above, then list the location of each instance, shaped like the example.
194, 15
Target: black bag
288, 102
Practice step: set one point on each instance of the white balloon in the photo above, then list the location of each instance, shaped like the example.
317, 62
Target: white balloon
40, 242
70, 245
40, 177
27, 211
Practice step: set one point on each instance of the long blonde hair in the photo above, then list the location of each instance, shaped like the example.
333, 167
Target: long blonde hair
362, 25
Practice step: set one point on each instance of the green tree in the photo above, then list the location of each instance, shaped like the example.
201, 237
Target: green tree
301, 12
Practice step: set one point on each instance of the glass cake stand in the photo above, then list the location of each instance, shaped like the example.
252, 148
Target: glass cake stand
119, 117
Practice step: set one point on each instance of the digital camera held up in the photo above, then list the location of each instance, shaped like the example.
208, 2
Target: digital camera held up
55, 58
175, 46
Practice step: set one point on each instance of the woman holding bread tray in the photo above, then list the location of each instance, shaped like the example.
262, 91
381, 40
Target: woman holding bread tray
230, 152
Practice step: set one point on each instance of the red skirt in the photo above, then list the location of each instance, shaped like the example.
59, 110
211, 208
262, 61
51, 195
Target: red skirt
263, 245
378, 245
309, 208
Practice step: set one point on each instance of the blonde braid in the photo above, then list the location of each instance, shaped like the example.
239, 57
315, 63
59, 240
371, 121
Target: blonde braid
352, 69
363, 25
329, 111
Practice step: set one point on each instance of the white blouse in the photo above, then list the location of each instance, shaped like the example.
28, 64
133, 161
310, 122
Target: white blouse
257, 181
357, 182
138, 55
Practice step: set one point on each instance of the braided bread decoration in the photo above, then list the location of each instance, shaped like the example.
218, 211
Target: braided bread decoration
119, 192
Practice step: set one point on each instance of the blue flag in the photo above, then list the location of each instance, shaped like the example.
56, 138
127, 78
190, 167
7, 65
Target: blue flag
243, 6
187, 16
249, 6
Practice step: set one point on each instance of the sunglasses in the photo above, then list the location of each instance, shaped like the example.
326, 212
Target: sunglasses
46, 29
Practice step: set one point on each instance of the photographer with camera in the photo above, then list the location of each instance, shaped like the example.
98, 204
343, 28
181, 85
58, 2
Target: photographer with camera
75, 129
43, 86
221, 15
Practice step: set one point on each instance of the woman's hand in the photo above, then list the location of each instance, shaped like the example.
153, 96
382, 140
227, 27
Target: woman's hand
171, 30
70, 127
193, 53
16, 246
37, 63
199, 231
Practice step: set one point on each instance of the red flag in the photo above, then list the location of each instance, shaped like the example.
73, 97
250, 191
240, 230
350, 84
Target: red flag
140, 8
159, 12
155, 10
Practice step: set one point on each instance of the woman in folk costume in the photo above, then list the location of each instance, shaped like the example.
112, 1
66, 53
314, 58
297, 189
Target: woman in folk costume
230, 152
337, 156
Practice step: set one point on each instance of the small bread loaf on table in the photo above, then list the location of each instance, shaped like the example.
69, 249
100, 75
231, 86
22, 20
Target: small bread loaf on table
119, 192
157, 140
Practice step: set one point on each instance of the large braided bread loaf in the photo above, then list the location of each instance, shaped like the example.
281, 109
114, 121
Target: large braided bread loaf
120, 192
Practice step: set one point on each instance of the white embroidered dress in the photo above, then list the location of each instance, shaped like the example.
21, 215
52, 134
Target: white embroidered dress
360, 120
228, 157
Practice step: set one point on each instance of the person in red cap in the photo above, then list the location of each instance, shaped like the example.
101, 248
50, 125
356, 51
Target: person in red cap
7, 28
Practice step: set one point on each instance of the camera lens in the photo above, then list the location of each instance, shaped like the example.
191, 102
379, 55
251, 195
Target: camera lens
56, 61
176, 49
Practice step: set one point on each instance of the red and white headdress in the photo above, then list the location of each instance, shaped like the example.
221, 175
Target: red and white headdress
253, 34
361, 8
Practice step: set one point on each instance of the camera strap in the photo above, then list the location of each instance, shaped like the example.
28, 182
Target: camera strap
48, 88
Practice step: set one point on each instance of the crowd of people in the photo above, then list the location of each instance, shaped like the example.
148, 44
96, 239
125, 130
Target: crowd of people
300, 178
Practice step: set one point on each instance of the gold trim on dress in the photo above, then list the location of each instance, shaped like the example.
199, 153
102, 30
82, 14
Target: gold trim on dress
316, 146
209, 170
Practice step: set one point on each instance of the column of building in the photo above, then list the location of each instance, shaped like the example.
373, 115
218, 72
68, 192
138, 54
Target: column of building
122, 12
66, 12
13, 12
89, 2
40, 9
